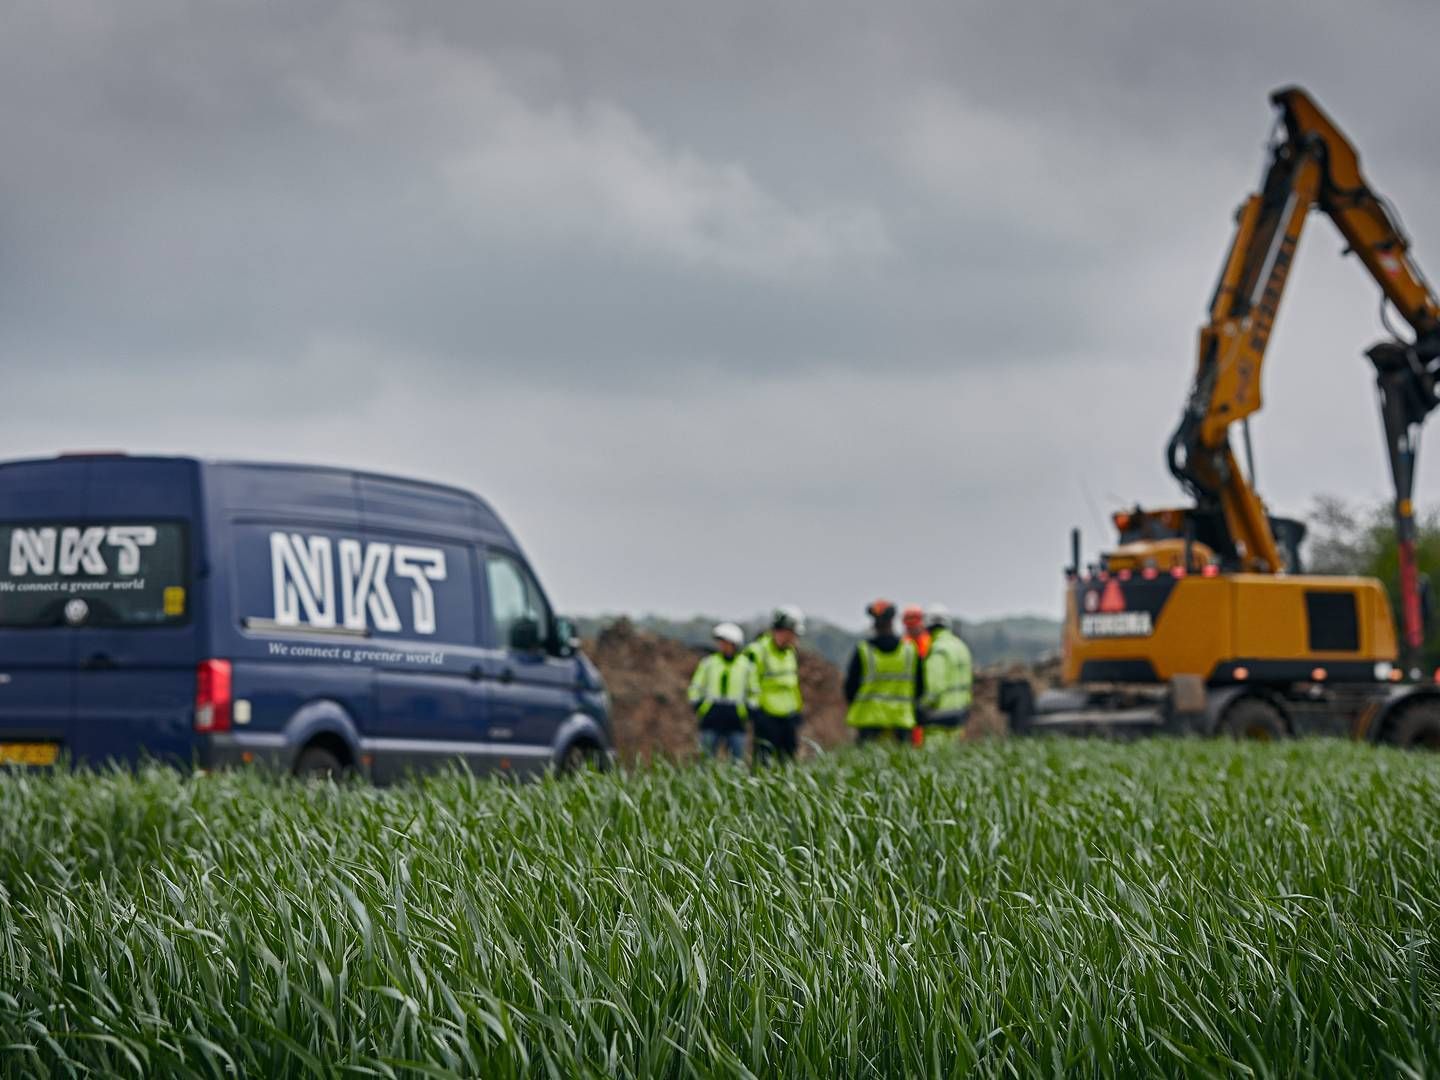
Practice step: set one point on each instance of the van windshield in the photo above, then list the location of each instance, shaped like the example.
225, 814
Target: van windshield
112, 573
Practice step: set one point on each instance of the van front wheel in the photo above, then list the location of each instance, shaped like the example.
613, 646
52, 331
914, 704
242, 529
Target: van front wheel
318, 763
582, 757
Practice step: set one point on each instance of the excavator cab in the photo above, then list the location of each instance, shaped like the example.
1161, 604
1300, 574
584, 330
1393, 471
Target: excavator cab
1189, 537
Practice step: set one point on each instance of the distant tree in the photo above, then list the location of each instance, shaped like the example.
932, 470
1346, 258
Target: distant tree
1344, 538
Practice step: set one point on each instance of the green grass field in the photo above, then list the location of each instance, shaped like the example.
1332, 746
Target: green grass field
1007, 908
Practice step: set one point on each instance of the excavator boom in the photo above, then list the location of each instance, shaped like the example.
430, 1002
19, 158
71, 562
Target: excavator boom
1313, 166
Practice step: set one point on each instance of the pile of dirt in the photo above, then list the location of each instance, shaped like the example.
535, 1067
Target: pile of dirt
648, 677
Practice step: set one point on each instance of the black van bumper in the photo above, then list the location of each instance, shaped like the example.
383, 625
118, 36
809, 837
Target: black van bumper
228, 749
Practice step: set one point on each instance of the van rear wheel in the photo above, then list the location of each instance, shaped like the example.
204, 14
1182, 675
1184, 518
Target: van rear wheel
1252, 718
318, 763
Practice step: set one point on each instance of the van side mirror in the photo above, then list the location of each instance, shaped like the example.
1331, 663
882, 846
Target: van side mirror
564, 640
525, 635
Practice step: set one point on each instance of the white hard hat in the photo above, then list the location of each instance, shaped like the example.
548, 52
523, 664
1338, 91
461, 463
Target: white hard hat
788, 617
937, 615
728, 631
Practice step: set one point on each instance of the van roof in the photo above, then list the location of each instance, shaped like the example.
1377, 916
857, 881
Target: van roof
485, 520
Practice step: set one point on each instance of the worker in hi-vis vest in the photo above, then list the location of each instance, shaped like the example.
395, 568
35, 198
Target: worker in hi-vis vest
913, 619
949, 675
722, 693
884, 680
779, 710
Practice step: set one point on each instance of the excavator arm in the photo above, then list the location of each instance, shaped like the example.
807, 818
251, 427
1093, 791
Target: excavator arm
1362, 216
1313, 166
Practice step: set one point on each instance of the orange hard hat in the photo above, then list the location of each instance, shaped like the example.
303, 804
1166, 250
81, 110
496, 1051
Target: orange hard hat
914, 615
881, 609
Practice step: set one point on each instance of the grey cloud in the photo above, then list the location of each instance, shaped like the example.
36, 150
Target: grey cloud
857, 274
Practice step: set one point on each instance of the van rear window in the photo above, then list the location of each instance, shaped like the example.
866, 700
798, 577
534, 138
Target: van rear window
114, 573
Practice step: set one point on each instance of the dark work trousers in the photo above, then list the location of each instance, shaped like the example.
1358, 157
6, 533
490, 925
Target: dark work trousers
947, 720
874, 734
775, 737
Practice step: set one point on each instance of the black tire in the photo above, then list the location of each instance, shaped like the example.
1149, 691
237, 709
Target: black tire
1017, 702
581, 757
1253, 718
1417, 727
1178, 725
319, 763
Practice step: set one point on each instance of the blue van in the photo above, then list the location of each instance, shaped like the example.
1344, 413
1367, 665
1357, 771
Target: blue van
316, 620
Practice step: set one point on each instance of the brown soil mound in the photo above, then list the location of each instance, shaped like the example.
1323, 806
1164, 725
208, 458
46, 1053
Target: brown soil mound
648, 676
985, 715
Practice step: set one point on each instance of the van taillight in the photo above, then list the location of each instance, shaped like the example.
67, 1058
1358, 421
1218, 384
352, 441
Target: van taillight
212, 695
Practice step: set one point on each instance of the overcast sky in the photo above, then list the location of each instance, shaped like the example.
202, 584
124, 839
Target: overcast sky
723, 305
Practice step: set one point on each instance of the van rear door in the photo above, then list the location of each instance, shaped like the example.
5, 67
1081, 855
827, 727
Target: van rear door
137, 648
37, 658
97, 627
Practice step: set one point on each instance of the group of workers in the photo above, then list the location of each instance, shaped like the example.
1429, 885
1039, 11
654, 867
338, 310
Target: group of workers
907, 687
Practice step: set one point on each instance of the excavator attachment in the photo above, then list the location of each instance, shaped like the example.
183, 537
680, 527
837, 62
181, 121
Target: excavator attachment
1407, 394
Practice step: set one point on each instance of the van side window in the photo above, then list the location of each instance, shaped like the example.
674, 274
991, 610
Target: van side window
513, 596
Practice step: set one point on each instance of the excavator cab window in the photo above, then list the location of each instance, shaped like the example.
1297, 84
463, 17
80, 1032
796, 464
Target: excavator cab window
1144, 527
1289, 536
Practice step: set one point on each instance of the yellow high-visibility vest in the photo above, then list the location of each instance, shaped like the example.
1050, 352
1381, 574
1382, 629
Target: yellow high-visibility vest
886, 697
721, 681
777, 674
948, 674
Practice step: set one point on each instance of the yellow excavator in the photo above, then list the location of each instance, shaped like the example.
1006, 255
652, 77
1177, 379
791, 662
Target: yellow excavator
1201, 620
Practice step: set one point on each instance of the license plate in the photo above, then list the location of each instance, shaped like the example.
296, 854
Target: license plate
28, 753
